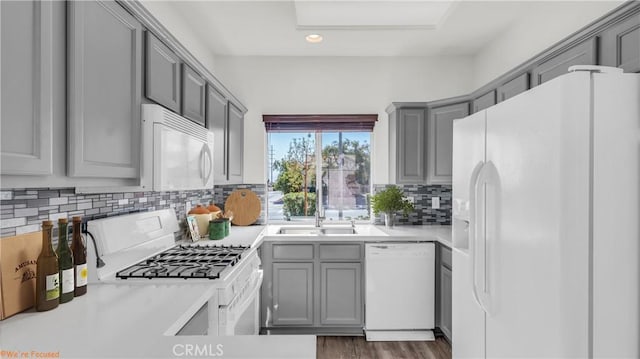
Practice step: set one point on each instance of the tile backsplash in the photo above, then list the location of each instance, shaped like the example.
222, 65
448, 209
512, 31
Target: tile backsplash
23, 210
423, 213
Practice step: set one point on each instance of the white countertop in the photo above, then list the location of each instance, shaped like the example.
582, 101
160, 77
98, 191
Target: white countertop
368, 233
130, 321
238, 236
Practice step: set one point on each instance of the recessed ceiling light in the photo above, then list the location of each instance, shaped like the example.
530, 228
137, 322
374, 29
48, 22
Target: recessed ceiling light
313, 38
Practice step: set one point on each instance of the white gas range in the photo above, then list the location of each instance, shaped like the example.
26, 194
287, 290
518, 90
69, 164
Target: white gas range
140, 249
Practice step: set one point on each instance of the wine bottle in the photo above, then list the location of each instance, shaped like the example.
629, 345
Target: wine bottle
79, 250
65, 262
47, 277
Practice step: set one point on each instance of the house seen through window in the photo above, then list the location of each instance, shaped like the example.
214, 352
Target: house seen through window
325, 170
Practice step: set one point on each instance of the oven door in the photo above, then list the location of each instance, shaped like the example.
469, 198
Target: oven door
242, 315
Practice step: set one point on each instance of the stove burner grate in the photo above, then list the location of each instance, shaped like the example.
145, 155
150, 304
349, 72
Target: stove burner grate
186, 262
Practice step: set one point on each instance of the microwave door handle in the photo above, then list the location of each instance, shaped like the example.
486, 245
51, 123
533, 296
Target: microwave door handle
206, 162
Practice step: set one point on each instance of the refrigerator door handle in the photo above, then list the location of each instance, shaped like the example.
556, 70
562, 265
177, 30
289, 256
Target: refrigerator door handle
473, 229
486, 184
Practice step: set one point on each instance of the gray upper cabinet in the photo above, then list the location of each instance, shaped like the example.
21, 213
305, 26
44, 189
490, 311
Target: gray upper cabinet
227, 123
484, 101
27, 93
193, 95
441, 141
104, 90
217, 116
292, 294
620, 45
162, 76
341, 294
407, 134
585, 53
513, 87
236, 144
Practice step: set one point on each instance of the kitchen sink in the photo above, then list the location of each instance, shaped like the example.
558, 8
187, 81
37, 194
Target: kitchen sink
317, 230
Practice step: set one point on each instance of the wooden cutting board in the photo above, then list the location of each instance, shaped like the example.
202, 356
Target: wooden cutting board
245, 205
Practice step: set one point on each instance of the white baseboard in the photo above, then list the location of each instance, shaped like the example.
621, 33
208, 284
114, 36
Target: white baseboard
399, 335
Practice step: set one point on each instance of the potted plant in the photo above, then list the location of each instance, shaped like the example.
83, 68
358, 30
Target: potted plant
389, 201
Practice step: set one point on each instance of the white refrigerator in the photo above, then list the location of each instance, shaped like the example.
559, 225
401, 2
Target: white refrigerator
546, 222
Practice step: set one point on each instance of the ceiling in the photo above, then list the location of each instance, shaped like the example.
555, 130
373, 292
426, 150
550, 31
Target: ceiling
352, 28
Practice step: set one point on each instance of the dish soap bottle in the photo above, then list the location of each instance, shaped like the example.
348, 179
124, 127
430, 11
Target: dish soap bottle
47, 277
79, 250
65, 261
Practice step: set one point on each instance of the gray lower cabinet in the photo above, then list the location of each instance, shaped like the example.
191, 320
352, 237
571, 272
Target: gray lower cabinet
441, 141
585, 53
341, 298
194, 90
104, 90
235, 148
162, 74
620, 45
444, 297
313, 287
484, 101
407, 142
513, 87
26, 102
292, 293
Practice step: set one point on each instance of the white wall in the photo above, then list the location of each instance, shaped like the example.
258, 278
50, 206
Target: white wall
181, 29
339, 85
546, 24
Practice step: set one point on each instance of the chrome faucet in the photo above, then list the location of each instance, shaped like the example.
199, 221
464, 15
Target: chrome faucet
319, 218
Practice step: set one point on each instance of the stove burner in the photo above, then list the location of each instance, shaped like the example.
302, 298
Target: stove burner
186, 262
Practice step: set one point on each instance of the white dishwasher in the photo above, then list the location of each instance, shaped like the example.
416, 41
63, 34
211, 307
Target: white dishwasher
400, 291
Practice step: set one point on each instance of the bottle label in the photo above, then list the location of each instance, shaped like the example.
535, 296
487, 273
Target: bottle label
52, 287
67, 281
81, 275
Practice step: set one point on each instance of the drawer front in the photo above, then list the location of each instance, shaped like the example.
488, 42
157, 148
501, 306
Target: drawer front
341, 251
445, 256
293, 251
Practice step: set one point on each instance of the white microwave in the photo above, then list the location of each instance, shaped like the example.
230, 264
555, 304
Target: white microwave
178, 152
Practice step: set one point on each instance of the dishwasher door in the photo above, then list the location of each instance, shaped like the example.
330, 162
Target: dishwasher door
400, 287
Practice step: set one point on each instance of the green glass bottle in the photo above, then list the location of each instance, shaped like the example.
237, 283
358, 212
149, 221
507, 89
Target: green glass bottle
65, 262
47, 277
79, 250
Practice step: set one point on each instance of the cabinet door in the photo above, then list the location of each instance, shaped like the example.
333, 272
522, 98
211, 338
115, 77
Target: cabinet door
292, 294
441, 141
445, 301
104, 90
26, 101
193, 95
484, 101
235, 147
620, 45
584, 53
410, 143
162, 78
341, 294
217, 123
514, 87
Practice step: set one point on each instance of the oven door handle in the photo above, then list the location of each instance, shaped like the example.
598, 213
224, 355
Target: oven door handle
249, 296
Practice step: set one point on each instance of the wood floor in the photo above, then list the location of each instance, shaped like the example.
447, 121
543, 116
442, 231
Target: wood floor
359, 348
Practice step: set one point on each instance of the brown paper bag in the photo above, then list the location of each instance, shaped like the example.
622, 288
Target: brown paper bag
18, 256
